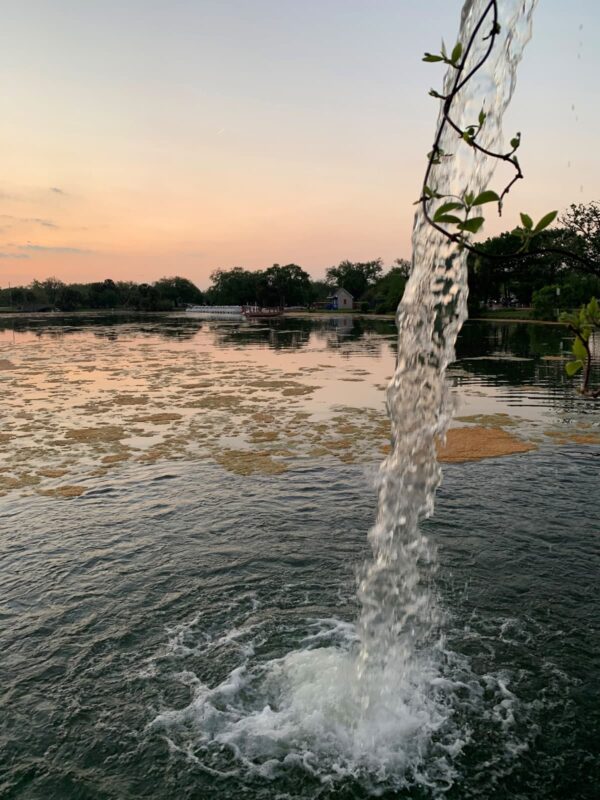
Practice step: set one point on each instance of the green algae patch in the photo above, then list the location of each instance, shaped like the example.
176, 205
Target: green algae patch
491, 420
66, 492
571, 437
263, 436
104, 433
298, 391
130, 400
160, 418
248, 462
115, 458
52, 473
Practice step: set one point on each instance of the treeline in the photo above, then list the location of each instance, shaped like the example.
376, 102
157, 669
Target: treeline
372, 287
548, 283
163, 295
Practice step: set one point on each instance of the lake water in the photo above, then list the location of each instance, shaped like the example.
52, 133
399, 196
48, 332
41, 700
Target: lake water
184, 508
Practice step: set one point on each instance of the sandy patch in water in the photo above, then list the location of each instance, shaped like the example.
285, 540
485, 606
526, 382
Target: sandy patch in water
476, 443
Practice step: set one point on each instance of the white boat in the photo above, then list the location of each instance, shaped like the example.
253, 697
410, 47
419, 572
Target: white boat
234, 313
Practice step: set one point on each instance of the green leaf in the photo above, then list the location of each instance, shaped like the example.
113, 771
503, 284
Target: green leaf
527, 221
447, 218
579, 350
482, 116
430, 58
486, 197
573, 367
444, 208
514, 143
469, 197
433, 93
472, 225
456, 53
545, 221
593, 311
428, 191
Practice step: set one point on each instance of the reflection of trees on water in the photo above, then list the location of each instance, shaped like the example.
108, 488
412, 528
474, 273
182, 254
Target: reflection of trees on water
338, 333
489, 352
105, 326
288, 333
486, 351
524, 340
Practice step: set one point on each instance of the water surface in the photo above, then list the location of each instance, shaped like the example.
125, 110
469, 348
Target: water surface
183, 627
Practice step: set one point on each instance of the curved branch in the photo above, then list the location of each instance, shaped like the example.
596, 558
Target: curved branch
459, 82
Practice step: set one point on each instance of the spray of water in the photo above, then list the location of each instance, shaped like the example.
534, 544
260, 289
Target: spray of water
379, 703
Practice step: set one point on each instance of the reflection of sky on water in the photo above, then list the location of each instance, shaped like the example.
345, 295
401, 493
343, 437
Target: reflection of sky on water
169, 388
511, 367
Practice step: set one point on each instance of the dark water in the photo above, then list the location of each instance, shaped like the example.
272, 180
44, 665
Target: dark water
123, 609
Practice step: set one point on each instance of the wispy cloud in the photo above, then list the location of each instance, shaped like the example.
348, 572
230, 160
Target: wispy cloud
57, 190
42, 248
14, 255
45, 223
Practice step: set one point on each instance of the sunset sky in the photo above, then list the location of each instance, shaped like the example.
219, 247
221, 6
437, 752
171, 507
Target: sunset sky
143, 138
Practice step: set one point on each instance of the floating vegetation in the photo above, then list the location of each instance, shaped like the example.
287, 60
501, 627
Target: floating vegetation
297, 391
107, 433
130, 400
159, 419
567, 437
71, 412
248, 462
65, 492
476, 443
52, 473
491, 420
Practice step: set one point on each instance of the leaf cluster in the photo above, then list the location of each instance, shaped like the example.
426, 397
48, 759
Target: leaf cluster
582, 322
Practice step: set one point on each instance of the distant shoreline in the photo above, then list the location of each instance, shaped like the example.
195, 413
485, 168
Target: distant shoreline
106, 312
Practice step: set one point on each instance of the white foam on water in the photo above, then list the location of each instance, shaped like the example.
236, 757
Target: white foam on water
312, 708
316, 711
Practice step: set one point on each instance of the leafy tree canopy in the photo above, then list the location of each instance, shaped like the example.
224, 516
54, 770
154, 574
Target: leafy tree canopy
355, 277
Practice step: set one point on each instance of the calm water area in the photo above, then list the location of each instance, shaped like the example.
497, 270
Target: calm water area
183, 509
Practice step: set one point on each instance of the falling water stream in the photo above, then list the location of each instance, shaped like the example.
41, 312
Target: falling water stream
398, 608
379, 704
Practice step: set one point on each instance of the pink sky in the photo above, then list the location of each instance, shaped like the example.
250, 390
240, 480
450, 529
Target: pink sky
176, 138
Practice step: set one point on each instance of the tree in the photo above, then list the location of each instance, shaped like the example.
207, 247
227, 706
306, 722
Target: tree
354, 277
404, 267
235, 286
287, 285
384, 296
497, 274
178, 291
52, 288
69, 298
319, 291
103, 294
581, 224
